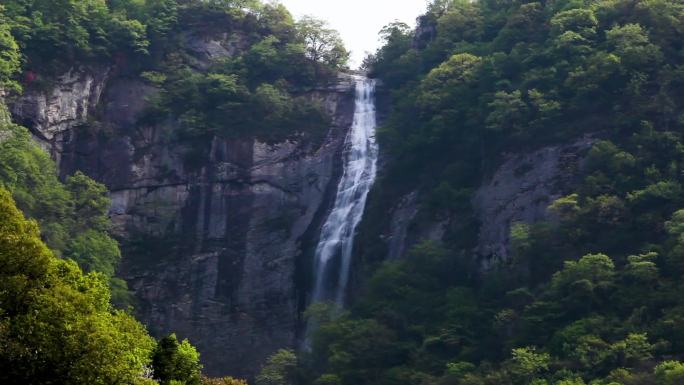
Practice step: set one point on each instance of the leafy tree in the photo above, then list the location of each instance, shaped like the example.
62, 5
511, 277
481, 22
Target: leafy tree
9, 54
508, 112
73, 216
632, 45
29, 173
670, 372
579, 20
77, 29
90, 202
675, 228
442, 82
322, 43
223, 381
279, 369
95, 251
176, 362
584, 284
526, 363
57, 325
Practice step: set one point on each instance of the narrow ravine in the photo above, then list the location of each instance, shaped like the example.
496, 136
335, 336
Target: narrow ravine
334, 249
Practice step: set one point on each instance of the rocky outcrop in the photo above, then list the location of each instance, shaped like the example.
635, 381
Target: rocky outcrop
425, 33
409, 225
402, 217
206, 49
50, 111
520, 191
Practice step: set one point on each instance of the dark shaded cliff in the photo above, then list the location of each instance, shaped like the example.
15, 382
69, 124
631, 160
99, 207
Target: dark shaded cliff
212, 251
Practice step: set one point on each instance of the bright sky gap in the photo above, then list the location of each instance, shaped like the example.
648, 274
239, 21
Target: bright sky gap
358, 21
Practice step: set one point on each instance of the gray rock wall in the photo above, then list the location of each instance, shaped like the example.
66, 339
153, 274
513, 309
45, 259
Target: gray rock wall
519, 190
212, 254
214, 251
49, 112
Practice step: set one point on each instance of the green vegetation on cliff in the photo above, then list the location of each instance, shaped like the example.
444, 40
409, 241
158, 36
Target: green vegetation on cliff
72, 215
9, 53
591, 297
251, 87
57, 323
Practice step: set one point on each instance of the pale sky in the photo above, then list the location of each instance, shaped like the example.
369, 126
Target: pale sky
359, 21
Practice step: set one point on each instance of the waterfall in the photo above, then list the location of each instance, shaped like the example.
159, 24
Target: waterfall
360, 166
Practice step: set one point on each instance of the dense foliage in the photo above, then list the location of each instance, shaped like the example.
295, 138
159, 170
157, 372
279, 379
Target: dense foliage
176, 362
73, 215
57, 325
592, 297
479, 78
9, 54
257, 90
280, 369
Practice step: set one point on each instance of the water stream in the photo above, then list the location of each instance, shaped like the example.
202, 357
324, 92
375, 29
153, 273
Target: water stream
360, 166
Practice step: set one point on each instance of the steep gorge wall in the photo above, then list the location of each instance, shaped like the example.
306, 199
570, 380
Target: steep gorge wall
213, 252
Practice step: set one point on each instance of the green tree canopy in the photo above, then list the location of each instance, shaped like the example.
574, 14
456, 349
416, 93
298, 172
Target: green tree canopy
57, 324
176, 362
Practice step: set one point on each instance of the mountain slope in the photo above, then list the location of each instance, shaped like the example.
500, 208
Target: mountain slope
536, 147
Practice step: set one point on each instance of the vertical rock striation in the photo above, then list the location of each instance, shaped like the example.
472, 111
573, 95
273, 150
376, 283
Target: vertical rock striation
213, 251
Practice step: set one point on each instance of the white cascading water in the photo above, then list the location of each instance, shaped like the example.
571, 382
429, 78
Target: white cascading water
360, 167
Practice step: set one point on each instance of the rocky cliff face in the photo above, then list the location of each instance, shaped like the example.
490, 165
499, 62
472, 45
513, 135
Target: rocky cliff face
50, 112
213, 251
519, 190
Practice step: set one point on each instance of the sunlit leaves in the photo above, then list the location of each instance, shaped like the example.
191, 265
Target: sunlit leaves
58, 325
